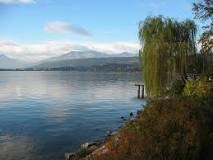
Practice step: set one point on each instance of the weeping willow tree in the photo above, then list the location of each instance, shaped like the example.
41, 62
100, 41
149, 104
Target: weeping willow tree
166, 44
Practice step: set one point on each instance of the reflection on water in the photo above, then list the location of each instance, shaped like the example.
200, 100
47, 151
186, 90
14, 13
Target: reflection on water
45, 114
16, 148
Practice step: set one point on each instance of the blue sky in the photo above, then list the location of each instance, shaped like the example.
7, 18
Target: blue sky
105, 25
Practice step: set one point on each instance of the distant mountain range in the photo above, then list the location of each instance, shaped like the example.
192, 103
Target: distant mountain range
88, 54
78, 60
92, 64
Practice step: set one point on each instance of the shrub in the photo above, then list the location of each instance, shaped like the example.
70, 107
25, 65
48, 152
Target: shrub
195, 88
176, 88
167, 129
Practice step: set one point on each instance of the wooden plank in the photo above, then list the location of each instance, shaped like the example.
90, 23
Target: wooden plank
139, 91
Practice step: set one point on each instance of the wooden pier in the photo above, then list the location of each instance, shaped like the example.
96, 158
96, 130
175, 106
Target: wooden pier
141, 90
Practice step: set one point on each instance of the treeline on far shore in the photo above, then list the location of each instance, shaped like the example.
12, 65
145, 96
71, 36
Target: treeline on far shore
94, 68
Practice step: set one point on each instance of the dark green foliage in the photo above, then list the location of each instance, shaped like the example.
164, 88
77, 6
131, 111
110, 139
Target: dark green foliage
204, 11
176, 88
166, 45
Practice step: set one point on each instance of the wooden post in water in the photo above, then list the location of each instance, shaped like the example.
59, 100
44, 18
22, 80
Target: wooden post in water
141, 90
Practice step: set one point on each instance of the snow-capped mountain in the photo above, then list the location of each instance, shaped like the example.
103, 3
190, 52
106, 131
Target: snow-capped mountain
88, 54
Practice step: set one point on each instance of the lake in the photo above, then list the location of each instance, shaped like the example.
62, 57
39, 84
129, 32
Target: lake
45, 114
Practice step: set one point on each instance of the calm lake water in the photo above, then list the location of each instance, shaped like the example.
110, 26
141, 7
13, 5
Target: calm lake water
45, 114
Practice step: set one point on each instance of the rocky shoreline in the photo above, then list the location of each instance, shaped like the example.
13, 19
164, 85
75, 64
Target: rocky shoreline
89, 150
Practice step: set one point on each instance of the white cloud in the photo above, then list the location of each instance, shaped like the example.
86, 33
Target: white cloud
63, 27
40, 51
17, 1
114, 47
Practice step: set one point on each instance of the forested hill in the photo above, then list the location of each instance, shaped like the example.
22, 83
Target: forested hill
92, 64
